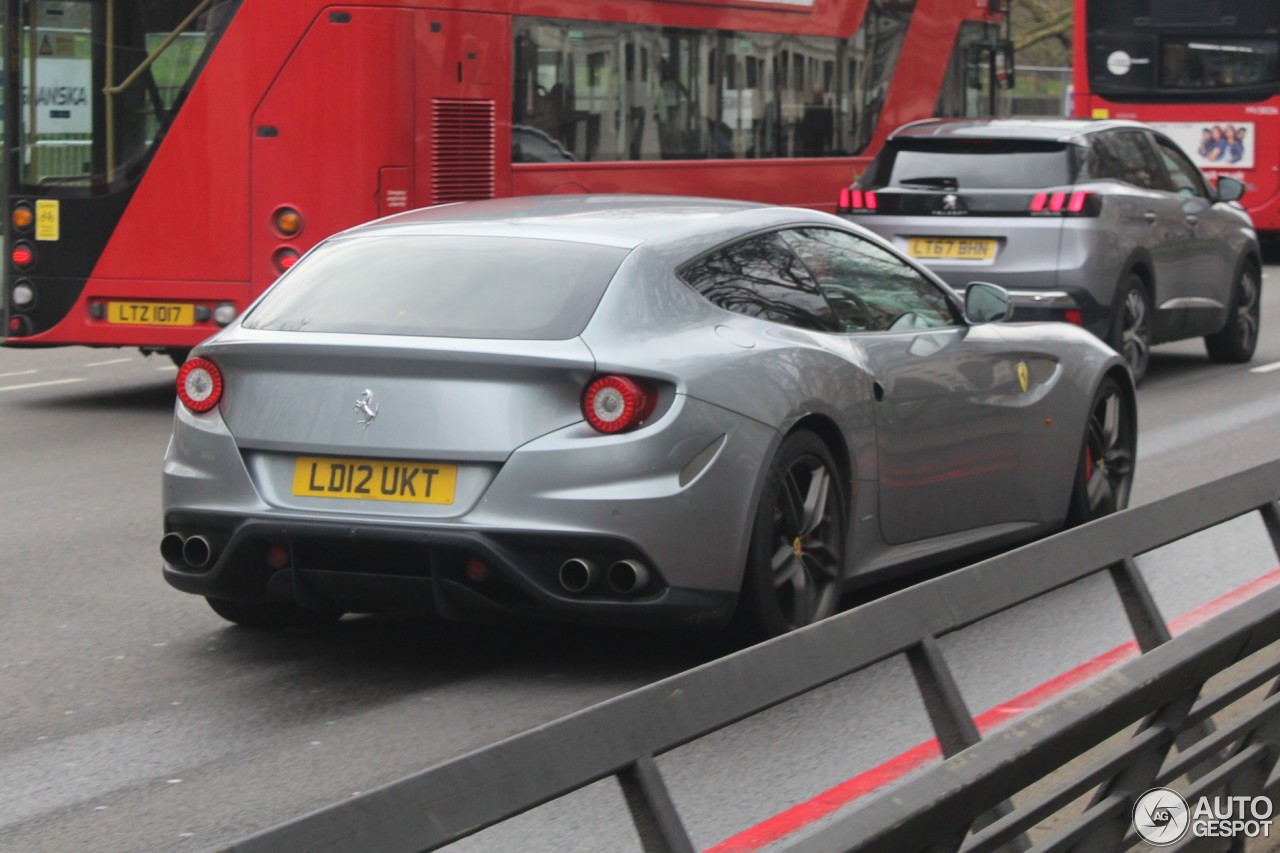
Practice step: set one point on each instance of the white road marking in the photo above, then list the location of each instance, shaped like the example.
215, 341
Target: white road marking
1266, 368
17, 373
112, 361
171, 368
42, 384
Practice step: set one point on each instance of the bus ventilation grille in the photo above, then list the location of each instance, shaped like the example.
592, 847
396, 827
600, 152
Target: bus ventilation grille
464, 151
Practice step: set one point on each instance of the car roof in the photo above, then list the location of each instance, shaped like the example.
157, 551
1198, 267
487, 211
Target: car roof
625, 221
1044, 129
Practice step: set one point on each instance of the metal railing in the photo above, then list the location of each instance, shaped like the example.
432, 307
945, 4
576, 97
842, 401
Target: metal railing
971, 802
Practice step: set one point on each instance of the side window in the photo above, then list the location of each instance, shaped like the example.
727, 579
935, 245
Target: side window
761, 277
1101, 160
606, 91
1138, 162
870, 289
1186, 177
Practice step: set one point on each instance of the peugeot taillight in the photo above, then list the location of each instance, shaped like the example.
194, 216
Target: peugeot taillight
853, 200
616, 403
1077, 203
199, 384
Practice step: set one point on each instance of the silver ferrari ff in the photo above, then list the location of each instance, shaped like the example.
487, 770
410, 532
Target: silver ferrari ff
622, 410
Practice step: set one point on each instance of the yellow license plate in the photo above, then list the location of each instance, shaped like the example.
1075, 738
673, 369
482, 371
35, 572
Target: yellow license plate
151, 313
951, 249
375, 480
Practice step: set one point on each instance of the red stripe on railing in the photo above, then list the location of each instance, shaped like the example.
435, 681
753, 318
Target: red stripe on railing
814, 809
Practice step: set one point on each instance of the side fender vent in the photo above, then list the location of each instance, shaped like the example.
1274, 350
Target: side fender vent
464, 141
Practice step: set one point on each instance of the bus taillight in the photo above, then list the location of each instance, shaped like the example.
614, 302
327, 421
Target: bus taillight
285, 257
23, 216
288, 222
23, 256
23, 294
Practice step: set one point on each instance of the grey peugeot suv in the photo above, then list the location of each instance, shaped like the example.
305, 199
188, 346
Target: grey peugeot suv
1105, 224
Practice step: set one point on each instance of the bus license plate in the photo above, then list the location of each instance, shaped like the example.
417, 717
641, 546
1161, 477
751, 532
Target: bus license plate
951, 249
374, 480
151, 313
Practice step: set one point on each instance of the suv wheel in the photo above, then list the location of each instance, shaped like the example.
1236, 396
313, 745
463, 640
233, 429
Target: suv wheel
1131, 326
1235, 342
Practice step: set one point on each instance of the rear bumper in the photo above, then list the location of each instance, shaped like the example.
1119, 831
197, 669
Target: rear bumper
1049, 265
1034, 305
678, 496
372, 568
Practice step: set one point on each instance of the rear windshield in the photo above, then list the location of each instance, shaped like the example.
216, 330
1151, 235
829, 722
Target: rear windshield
453, 287
987, 164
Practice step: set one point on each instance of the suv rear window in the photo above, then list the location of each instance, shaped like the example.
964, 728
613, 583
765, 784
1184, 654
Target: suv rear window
452, 287
967, 164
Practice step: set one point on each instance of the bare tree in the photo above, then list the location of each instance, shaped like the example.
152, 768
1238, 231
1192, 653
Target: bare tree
1042, 31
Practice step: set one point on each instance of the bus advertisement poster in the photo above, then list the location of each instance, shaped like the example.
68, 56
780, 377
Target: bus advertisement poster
1213, 145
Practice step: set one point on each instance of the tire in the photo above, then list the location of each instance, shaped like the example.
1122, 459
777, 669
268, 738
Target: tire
271, 614
1104, 471
178, 356
1131, 325
1235, 342
794, 572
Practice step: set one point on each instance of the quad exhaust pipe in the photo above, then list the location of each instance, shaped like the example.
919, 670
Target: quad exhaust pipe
623, 577
171, 548
626, 577
578, 574
194, 552
197, 552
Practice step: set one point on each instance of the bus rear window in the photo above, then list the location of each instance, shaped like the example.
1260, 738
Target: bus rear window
1214, 63
453, 287
963, 164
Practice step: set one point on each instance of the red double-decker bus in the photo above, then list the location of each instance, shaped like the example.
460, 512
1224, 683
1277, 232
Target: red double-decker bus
167, 159
1205, 72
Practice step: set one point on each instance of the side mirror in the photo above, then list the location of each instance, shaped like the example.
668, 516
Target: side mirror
985, 303
1229, 189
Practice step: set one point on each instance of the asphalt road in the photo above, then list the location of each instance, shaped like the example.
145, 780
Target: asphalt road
133, 718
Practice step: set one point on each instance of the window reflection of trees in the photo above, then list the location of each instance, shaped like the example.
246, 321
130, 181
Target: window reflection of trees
761, 277
869, 288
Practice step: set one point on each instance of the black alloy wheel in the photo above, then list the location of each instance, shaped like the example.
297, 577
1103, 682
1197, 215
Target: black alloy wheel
794, 571
1235, 342
1131, 328
271, 614
1104, 474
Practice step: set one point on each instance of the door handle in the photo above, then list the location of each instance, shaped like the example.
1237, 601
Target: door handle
1192, 219
1150, 217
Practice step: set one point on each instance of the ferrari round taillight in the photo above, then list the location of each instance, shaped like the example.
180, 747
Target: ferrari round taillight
199, 384
616, 403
